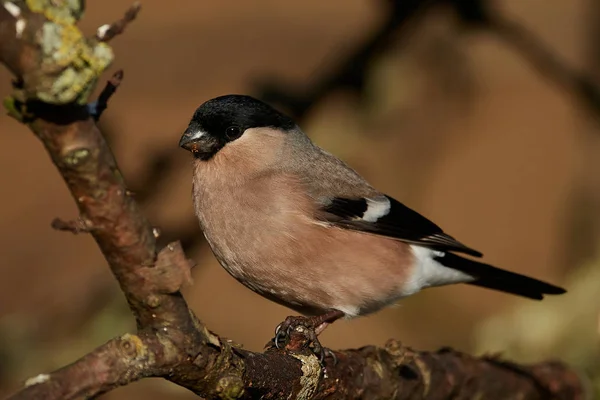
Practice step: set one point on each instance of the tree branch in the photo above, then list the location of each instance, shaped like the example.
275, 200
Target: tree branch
116, 363
170, 341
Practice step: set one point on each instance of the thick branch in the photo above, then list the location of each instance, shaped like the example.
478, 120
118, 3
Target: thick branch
395, 372
118, 362
171, 342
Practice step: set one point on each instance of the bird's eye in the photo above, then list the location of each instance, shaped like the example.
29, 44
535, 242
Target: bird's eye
233, 132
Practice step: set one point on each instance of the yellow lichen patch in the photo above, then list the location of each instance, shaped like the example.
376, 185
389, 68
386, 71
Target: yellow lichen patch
133, 346
62, 11
376, 366
76, 62
230, 387
311, 372
425, 374
71, 63
212, 338
76, 157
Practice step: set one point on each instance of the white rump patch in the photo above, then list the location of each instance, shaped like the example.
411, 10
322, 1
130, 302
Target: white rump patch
350, 311
427, 272
376, 208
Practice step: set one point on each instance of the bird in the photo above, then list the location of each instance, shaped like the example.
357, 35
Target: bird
300, 227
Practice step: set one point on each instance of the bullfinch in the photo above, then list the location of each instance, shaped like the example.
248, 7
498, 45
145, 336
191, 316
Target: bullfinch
298, 226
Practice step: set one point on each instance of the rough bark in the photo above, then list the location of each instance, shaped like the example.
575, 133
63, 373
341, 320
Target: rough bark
50, 96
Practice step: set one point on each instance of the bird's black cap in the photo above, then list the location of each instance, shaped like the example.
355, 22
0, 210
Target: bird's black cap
225, 118
216, 115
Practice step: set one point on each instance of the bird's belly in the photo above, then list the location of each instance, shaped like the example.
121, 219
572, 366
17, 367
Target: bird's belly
316, 271
263, 261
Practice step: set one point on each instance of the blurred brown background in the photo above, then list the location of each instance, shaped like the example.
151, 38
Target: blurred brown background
453, 122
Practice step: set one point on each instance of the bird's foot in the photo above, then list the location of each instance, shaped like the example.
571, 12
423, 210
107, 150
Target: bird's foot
296, 333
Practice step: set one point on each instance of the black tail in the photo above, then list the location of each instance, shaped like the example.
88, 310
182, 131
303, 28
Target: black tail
499, 279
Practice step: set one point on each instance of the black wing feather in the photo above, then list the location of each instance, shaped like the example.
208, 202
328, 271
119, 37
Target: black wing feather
400, 223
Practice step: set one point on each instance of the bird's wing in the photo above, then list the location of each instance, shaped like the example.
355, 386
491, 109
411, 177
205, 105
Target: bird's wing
344, 199
385, 216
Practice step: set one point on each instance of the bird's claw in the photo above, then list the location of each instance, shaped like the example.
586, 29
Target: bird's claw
280, 334
284, 330
306, 327
328, 353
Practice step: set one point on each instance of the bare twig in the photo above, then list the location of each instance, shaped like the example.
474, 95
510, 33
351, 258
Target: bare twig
97, 107
80, 225
170, 341
107, 32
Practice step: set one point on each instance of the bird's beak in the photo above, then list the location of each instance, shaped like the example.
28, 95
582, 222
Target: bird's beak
192, 140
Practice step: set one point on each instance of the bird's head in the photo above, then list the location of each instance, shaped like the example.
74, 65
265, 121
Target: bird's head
226, 119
